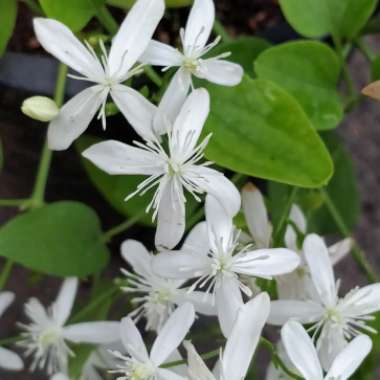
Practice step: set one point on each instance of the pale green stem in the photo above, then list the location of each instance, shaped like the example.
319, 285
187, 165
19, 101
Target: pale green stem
5, 273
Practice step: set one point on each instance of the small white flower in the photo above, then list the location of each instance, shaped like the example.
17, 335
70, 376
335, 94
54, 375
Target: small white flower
139, 365
218, 260
190, 60
107, 73
173, 170
303, 355
46, 337
240, 346
336, 320
156, 296
8, 359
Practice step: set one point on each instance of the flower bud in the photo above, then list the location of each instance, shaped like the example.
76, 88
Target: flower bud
40, 108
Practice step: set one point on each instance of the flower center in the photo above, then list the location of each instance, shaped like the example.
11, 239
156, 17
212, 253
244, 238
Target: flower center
49, 337
222, 263
173, 168
190, 64
139, 371
334, 316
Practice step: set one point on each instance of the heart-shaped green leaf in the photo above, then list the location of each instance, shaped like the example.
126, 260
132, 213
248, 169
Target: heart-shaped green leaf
8, 13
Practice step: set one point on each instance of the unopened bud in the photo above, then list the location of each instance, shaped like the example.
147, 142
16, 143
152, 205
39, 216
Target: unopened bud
372, 90
40, 108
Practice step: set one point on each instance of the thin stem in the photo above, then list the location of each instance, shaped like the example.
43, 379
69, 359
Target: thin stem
365, 49
208, 355
152, 75
357, 253
221, 31
10, 340
5, 273
106, 19
37, 198
12, 202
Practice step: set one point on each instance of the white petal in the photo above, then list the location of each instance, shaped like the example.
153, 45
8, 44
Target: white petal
196, 366
298, 218
132, 340
172, 333
189, 124
74, 117
340, 250
197, 239
228, 301
167, 374
202, 302
59, 41
181, 265
59, 376
6, 298
220, 72
136, 255
256, 215
349, 360
302, 311
320, 267
199, 24
64, 303
10, 360
172, 102
134, 36
362, 301
266, 262
245, 335
170, 216
136, 109
115, 157
159, 54
93, 332
301, 351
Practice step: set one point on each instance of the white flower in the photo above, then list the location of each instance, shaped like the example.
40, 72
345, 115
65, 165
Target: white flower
40, 108
107, 73
240, 346
190, 61
218, 260
302, 353
46, 337
140, 365
336, 320
172, 170
8, 359
156, 296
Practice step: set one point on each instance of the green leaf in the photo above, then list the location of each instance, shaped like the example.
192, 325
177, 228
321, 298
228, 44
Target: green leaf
244, 51
316, 18
73, 13
8, 14
61, 239
260, 130
126, 4
309, 70
375, 69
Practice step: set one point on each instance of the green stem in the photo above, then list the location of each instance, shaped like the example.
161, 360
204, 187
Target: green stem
38, 196
208, 355
12, 202
10, 340
221, 31
365, 49
106, 19
152, 75
33, 6
357, 253
5, 273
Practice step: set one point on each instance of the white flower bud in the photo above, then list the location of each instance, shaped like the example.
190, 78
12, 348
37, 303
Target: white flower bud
40, 108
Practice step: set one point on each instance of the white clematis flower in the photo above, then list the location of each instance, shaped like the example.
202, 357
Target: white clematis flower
172, 170
156, 296
240, 346
303, 355
107, 73
139, 365
9, 360
47, 336
218, 260
336, 320
190, 60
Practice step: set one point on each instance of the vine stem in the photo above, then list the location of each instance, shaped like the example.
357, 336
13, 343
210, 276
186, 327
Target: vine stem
208, 355
357, 253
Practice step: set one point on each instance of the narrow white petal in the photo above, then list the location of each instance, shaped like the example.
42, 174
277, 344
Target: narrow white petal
167, 374
74, 117
10, 360
266, 262
59, 41
199, 24
340, 250
349, 360
134, 36
256, 215
64, 303
302, 311
115, 157
136, 255
189, 124
170, 217
93, 332
221, 72
132, 340
6, 298
203, 302
136, 109
362, 301
298, 218
245, 335
320, 267
59, 376
160, 54
172, 333
228, 301
196, 366
301, 351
